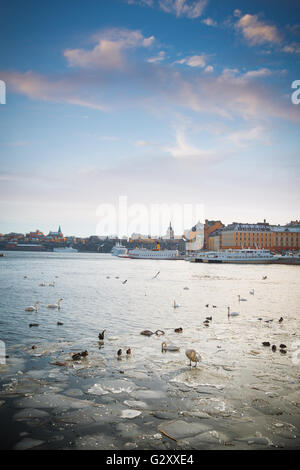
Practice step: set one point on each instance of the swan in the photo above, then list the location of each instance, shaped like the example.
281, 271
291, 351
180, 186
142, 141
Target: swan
32, 308
241, 299
55, 305
175, 305
171, 347
251, 291
232, 314
193, 356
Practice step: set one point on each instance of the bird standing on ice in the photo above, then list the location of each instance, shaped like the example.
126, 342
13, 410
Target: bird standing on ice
193, 356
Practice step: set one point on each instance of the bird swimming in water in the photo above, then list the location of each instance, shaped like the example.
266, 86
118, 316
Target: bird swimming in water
193, 356
80, 355
33, 324
59, 323
206, 322
241, 299
55, 305
32, 308
274, 348
207, 305
119, 353
280, 320
209, 318
128, 352
101, 335
282, 346
170, 347
147, 333
264, 277
266, 343
231, 314
178, 330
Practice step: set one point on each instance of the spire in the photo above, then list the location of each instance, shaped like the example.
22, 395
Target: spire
59, 230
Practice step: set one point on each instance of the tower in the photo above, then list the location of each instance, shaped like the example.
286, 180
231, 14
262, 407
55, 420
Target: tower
170, 232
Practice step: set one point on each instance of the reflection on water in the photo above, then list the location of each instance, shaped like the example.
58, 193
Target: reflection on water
242, 394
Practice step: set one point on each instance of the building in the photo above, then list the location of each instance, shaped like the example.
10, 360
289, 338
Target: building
237, 236
57, 234
194, 238
210, 227
170, 233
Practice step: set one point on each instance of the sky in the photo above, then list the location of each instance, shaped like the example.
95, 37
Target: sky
159, 101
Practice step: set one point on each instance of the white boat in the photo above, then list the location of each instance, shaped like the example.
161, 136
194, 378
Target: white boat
157, 253
246, 256
65, 249
119, 250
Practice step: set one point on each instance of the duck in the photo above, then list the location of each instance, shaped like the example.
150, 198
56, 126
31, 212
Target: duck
283, 351
32, 308
209, 318
251, 292
207, 305
282, 346
206, 322
55, 305
170, 347
241, 299
147, 333
33, 324
214, 306
280, 320
264, 278
266, 343
274, 348
193, 356
80, 355
186, 288
101, 335
232, 314
119, 353
178, 330
159, 332
128, 352
59, 323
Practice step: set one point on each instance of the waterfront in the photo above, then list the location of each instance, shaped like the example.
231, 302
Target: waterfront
241, 395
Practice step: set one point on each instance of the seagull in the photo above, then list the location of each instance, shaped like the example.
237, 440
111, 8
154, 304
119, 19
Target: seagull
154, 277
124, 282
193, 356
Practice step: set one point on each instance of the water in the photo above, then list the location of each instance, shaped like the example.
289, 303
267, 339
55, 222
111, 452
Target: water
241, 395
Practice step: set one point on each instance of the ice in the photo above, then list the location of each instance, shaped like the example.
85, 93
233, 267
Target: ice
136, 404
30, 413
27, 443
149, 394
52, 400
180, 429
130, 413
112, 386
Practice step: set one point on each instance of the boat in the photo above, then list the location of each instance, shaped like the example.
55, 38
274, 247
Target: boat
156, 253
65, 249
246, 256
119, 250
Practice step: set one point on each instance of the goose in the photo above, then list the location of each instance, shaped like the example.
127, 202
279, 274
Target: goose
241, 299
55, 305
251, 291
170, 347
232, 314
193, 356
32, 308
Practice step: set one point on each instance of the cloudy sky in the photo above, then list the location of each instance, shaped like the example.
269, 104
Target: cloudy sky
162, 101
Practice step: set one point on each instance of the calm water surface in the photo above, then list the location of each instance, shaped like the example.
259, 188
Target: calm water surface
241, 395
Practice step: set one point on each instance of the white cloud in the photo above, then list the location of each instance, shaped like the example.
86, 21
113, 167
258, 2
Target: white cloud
193, 61
264, 72
257, 31
159, 58
293, 48
190, 9
184, 151
108, 51
209, 69
245, 137
209, 22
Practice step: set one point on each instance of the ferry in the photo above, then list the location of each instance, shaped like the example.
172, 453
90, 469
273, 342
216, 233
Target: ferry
156, 253
65, 249
119, 250
246, 256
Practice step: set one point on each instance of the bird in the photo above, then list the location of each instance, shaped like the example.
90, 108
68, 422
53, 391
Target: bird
280, 320
264, 277
33, 324
241, 299
206, 322
119, 353
178, 330
147, 333
232, 314
193, 356
274, 348
52, 284
283, 351
59, 323
101, 335
266, 343
42, 284
186, 288
175, 305
214, 306
159, 332
282, 346
154, 277
32, 308
128, 352
251, 291
80, 355
207, 305
25, 277
170, 347
55, 305
209, 318
124, 282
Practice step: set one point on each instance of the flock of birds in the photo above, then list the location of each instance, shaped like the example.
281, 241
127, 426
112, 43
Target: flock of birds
191, 354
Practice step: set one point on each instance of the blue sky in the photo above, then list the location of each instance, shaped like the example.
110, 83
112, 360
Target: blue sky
160, 100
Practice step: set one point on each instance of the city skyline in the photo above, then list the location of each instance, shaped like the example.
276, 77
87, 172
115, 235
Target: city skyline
164, 101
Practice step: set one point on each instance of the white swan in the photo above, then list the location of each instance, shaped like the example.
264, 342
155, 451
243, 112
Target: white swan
55, 305
241, 299
171, 347
32, 308
232, 314
193, 356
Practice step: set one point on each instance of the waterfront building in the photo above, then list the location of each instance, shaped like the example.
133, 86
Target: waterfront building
194, 238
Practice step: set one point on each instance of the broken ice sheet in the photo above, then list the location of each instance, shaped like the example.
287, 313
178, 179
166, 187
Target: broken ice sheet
130, 414
112, 386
